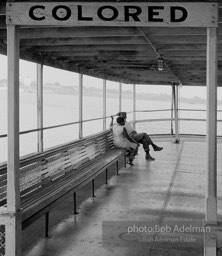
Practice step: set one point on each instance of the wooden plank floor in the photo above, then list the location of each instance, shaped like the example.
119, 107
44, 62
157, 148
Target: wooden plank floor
168, 191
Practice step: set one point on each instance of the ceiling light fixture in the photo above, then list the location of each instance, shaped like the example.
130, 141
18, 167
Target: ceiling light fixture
160, 64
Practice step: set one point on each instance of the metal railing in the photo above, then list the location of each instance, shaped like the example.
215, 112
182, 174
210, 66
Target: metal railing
129, 112
134, 122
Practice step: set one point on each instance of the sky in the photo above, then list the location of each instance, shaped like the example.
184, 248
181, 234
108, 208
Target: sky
51, 75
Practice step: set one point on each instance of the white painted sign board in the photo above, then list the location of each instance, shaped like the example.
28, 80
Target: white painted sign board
150, 14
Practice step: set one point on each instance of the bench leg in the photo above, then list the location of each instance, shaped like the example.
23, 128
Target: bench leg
93, 188
106, 176
117, 168
125, 160
47, 224
74, 203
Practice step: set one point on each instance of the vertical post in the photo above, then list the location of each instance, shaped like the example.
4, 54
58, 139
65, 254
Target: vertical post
172, 101
177, 112
104, 104
75, 203
120, 97
211, 136
117, 167
175, 94
13, 231
47, 224
106, 176
40, 106
134, 106
93, 188
80, 105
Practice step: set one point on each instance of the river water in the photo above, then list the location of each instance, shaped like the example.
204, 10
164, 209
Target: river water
59, 109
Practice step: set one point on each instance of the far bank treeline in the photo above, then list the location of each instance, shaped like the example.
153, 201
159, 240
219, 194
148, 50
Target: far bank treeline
97, 92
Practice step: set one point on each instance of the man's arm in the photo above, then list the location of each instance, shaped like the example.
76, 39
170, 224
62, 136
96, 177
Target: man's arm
111, 123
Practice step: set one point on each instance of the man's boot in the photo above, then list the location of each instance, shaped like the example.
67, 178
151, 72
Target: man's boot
149, 157
156, 148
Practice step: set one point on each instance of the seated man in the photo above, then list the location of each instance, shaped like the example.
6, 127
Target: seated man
121, 139
141, 138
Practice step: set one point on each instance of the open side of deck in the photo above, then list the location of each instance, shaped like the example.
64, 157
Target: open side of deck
169, 190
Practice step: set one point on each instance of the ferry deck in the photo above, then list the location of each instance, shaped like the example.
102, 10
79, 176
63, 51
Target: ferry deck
149, 43
171, 188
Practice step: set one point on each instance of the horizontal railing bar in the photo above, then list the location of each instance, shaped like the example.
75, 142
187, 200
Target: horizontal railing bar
153, 120
169, 119
183, 109
154, 110
193, 119
57, 126
101, 118
190, 109
40, 129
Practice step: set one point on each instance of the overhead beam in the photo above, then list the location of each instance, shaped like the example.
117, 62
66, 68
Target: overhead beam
84, 41
166, 53
74, 32
166, 39
109, 47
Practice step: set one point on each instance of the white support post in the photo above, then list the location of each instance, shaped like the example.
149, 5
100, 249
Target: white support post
134, 106
13, 230
211, 136
120, 97
40, 106
104, 104
175, 100
80, 105
176, 116
172, 102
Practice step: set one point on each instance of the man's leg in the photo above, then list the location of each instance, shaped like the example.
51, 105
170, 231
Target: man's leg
142, 138
145, 140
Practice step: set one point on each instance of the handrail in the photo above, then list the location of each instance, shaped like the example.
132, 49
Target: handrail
153, 110
56, 126
129, 112
183, 109
189, 109
169, 119
59, 125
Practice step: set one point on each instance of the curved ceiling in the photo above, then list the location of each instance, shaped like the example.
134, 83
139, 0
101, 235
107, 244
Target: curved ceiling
123, 53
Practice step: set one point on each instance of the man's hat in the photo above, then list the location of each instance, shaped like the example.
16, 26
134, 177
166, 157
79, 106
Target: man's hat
122, 114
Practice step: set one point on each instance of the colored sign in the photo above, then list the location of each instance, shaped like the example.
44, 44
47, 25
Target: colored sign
150, 14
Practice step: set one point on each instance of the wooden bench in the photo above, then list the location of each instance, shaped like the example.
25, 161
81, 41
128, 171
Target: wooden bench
46, 178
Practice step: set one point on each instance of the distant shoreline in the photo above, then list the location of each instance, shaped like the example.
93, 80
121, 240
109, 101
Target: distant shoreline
94, 92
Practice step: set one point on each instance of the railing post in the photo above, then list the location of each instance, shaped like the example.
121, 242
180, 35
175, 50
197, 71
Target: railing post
134, 106
40, 106
172, 101
211, 136
176, 94
104, 104
13, 228
80, 106
120, 97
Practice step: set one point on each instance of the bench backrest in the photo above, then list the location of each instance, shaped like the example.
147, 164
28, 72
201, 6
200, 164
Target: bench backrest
39, 170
